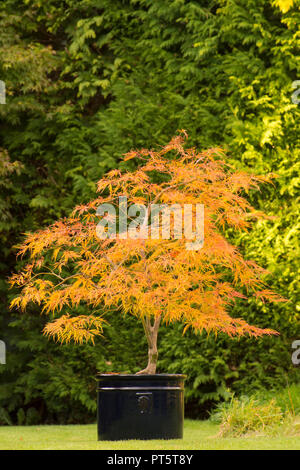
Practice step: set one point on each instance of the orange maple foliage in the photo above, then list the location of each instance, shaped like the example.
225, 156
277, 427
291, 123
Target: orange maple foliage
153, 279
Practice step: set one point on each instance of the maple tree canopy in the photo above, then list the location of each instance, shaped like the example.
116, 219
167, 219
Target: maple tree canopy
152, 279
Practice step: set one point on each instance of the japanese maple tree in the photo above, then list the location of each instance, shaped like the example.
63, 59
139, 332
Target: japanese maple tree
154, 279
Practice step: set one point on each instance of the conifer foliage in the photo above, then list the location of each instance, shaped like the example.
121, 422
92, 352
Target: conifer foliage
155, 279
88, 80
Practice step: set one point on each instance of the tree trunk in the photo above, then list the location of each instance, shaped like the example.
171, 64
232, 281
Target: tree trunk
151, 332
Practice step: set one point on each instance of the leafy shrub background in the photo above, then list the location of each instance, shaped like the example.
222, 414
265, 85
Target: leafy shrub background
87, 81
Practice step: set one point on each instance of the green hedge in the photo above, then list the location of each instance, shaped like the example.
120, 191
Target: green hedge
87, 81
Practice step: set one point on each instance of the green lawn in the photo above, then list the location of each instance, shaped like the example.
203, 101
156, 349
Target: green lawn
197, 435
